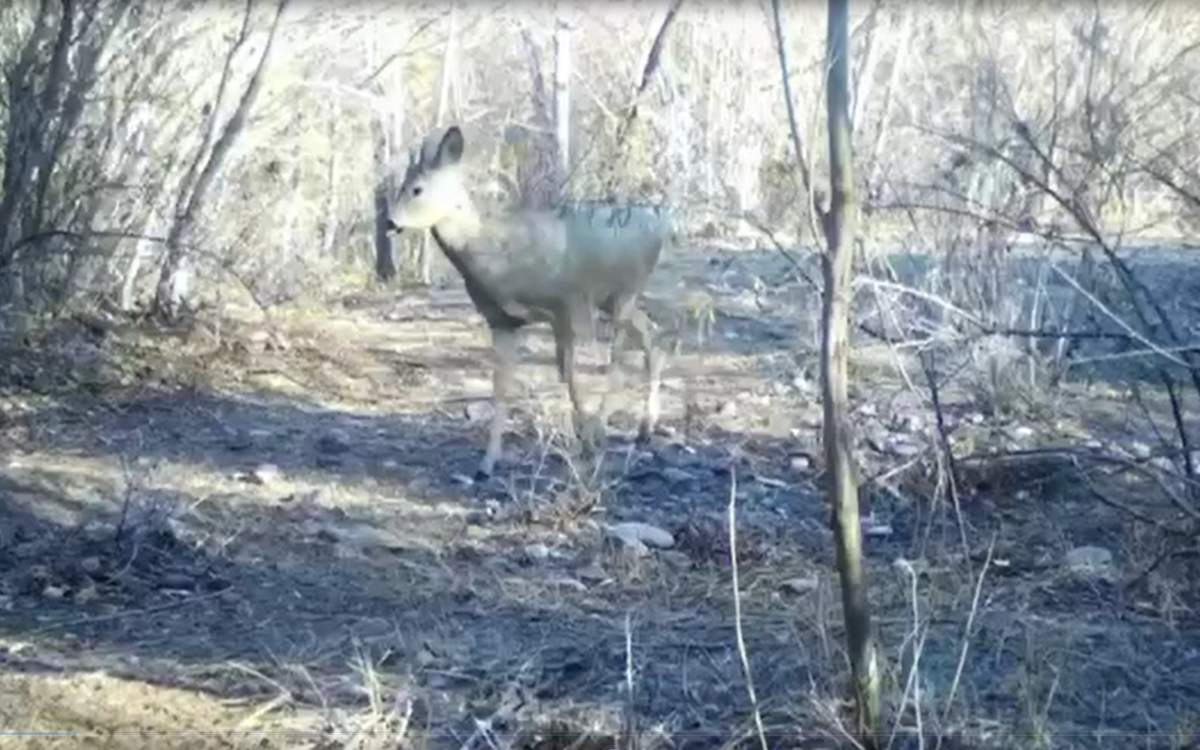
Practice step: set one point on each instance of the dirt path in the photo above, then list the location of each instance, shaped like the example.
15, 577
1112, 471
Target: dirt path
291, 552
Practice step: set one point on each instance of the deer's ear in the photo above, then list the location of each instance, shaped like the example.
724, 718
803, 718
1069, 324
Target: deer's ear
450, 150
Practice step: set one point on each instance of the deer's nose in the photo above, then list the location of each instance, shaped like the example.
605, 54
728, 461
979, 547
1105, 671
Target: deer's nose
393, 226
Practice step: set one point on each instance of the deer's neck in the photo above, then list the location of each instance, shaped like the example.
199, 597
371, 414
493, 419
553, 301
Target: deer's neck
455, 238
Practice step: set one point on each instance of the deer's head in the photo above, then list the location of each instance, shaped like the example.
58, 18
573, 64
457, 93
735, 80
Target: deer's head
434, 187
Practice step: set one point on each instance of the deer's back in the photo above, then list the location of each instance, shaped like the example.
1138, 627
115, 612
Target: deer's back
587, 251
614, 247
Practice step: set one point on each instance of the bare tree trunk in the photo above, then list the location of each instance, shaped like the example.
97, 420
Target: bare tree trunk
383, 192
537, 177
631, 113
173, 280
449, 69
292, 211
839, 225
449, 63
385, 259
562, 96
332, 177
898, 60
44, 104
864, 76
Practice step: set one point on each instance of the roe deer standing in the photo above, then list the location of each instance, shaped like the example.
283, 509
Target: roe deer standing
530, 266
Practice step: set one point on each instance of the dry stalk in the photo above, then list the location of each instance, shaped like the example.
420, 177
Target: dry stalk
945, 452
737, 607
912, 683
962, 655
629, 728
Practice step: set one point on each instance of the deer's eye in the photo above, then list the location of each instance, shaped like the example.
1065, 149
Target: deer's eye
417, 190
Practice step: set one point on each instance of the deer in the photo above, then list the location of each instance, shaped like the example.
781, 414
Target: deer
529, 266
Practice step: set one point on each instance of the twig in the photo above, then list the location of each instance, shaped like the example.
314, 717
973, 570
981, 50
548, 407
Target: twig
629, 730
127, 613
793, 127
927, 364
401, 52
791, 259
1170, 549
737, 606
901, 288
962, 655
1117, 319
917, 637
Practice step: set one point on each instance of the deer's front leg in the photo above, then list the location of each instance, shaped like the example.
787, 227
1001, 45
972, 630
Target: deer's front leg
504, 352
590, 431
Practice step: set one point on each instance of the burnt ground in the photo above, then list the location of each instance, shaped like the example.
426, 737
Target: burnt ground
229, 538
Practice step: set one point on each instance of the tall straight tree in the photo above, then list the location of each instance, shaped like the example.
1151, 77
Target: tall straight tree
174, 283
839, 226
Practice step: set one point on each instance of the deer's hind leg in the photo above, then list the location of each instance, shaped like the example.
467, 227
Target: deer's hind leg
504, 352
639, 325
618, 307
631, 321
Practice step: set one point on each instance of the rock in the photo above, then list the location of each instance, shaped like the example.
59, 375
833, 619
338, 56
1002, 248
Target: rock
633, 548
181, 581
239, 440
536, 552
800, 585
634, 533
675, 475
99, 531
676, 559
479, 411
1023, 432
54, 592
1090, 562
903, 447
477, 517
592, 572
90, 565
800, 463
1139, 450
263, 474
333, 441
778, 484
315, 496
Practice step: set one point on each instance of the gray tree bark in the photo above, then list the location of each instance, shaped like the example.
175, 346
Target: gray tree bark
839, 225
174, 280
